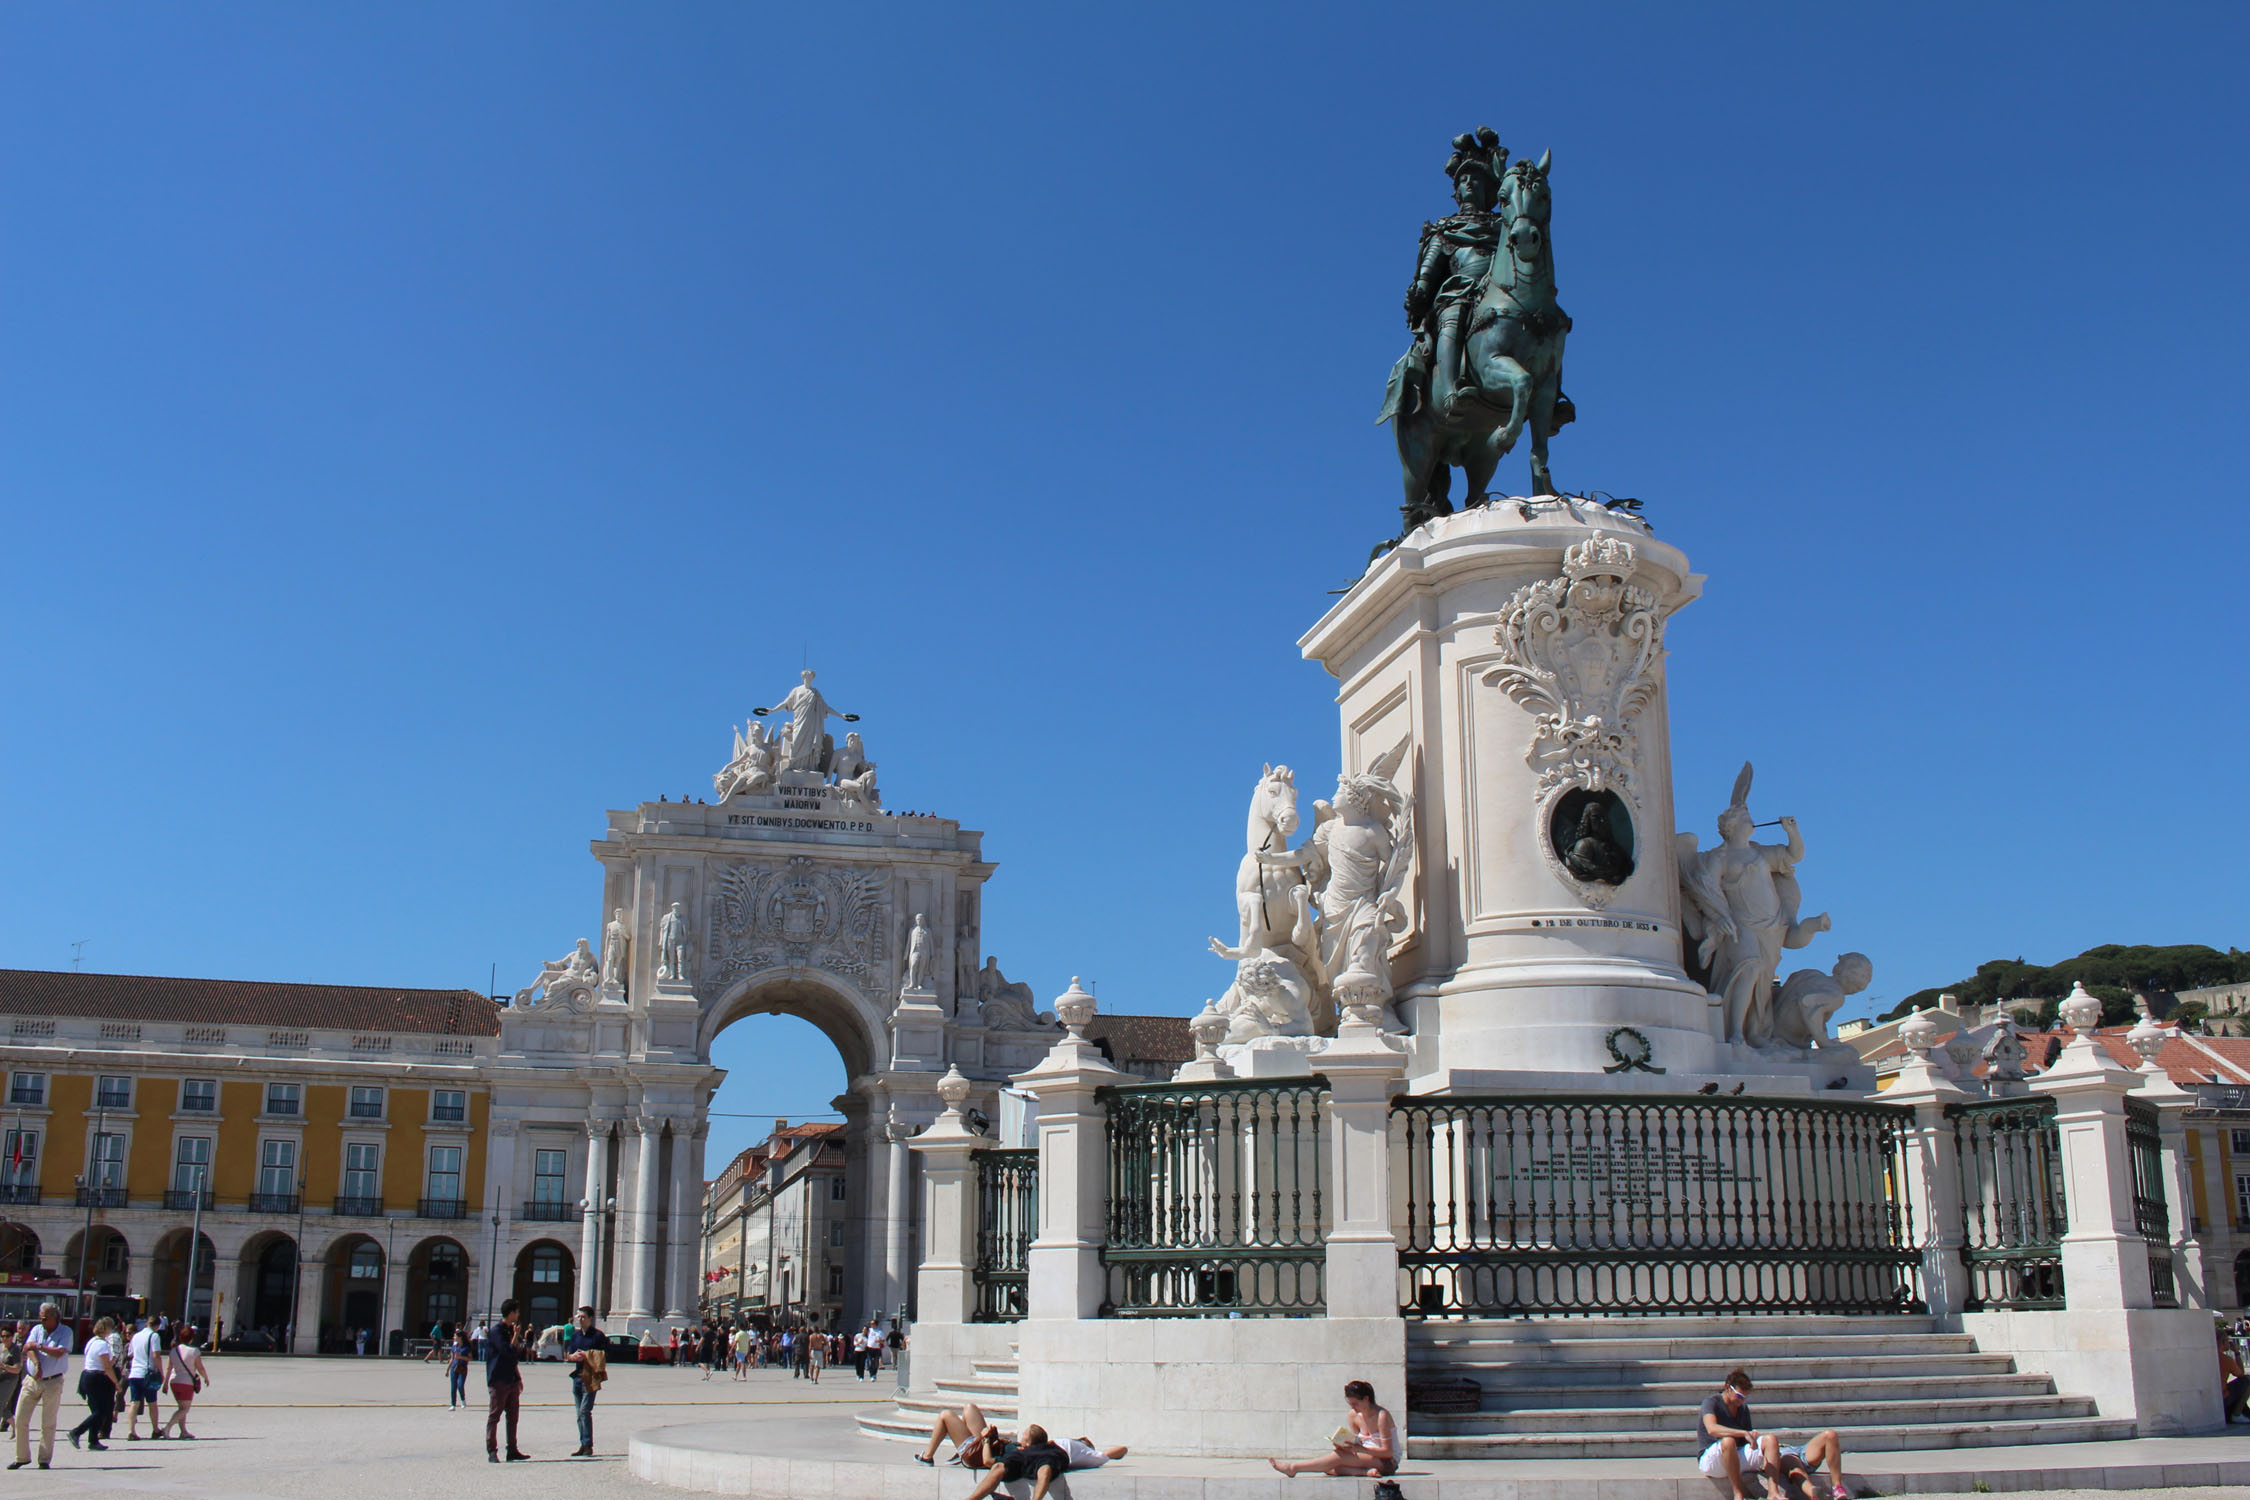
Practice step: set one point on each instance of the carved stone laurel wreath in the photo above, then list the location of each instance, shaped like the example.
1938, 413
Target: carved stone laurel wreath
1583, 654
1632, 1051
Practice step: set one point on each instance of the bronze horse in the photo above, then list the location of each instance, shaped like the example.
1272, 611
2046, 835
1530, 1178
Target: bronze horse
1511, 376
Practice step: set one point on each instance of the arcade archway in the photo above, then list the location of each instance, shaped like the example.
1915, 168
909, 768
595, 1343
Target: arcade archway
167, 1278
266, 1288
19, 1248
351, 1292
437, 1286
106, 1257
545, 1283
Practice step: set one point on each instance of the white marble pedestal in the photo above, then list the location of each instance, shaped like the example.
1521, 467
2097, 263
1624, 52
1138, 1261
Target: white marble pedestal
1519, 647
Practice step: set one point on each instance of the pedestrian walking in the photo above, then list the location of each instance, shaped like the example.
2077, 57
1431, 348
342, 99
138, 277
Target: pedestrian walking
586, 1348
745, 1343
98, 1385
187, 1378
503, 1383
11, 1371
457, 1367
144, 1368
46, 1360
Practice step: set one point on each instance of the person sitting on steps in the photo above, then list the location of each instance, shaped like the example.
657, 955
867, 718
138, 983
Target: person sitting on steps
1367, 1443
1732, 1446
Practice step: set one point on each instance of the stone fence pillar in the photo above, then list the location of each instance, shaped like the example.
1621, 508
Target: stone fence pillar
945, 1286
2172, 1104
2104, 1258
1933, 1170
1064, 1267
1363, 1068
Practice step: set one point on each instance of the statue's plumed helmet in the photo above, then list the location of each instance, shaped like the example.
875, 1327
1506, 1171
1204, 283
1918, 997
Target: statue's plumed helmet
1480, 152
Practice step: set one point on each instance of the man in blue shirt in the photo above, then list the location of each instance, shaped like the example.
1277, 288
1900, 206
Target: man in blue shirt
503, 1381
586, 1348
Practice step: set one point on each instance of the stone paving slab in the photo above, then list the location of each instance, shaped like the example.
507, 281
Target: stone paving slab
776, 1457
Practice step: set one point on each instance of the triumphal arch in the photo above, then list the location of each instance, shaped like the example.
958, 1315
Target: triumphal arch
791, 890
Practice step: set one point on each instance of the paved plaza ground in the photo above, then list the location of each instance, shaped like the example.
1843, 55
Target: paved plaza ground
275, 1428
336, 1429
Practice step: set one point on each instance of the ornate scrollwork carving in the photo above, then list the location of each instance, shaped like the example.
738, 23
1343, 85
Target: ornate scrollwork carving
799, 914
1584, 654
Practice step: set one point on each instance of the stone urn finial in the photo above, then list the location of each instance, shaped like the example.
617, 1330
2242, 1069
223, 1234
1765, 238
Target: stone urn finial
1918, 1034
953, 1088
1074, 1008
2148, 1038
1209, 1028
2081, 1012
1962, 1051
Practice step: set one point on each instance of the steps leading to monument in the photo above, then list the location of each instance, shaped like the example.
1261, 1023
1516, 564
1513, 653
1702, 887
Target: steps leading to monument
990, 1383
1555, 1388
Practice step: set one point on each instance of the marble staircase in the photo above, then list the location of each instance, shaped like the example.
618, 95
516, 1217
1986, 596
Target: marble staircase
990, 1383
1570, 1388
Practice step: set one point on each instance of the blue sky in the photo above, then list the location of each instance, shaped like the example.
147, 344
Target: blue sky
425, 427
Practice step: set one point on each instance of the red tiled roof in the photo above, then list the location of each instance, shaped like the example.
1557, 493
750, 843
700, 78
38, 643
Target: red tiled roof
2183, 1058
246, 1002
1155, 1039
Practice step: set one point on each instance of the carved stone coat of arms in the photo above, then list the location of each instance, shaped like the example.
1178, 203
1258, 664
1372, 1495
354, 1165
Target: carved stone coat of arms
796, 915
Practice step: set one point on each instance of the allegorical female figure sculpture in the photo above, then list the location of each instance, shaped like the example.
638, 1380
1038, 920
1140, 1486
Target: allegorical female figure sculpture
805, 742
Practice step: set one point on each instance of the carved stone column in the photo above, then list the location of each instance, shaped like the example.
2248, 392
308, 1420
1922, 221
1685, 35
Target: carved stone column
641, 1242
946, 1283
1363, 1067
898, 1217
2172, 1104
590, 1266
1933, 1170
1065, 1263
2105, 1260
684, 1276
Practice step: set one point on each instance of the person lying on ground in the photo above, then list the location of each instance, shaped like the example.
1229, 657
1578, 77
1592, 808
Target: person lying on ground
1367, 1443
1084, 1455
976, 1442
1036, 1458
1797, 1467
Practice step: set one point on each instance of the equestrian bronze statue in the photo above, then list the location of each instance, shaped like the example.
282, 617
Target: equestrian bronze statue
1486, 361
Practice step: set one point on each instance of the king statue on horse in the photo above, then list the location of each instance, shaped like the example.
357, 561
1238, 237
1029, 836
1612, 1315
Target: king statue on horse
1486, 361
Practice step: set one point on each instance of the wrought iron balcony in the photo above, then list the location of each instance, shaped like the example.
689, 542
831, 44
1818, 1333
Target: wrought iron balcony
272, 1203
445, 1208
101, 1197
557, 1212
359, 1208
28, 1193
185, 1200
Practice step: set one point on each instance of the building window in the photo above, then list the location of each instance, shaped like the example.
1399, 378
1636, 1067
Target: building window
113, 1253
27, 1088
277, 1167
445, 1174
449, 1105
21, 1161
547, 1176
113, 1092
366, 1262
199, 1096
2241, 1142
835, 1189
191, 1167
283, 1098
362, 1171
835, 1281
367, 1103
836, 1234
109, 1161
546, 1266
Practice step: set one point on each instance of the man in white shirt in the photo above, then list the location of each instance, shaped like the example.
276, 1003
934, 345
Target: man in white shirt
46, 1359
144, 1359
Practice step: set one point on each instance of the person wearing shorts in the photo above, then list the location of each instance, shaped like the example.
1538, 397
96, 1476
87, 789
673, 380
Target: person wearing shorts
144, 1369
1732, 1446
187, 1376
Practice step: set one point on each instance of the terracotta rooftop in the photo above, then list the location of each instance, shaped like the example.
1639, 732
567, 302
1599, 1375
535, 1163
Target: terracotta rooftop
2185, 1058
246, 1002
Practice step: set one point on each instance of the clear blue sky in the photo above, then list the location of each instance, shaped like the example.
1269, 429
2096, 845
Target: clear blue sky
425, 427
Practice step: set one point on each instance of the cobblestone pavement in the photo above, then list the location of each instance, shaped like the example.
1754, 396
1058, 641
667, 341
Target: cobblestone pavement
273, 1428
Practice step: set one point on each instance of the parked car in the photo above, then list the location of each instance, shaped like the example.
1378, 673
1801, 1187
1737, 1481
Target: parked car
249, 1341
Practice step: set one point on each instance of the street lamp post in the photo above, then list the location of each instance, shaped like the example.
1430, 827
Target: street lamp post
492, 1267
195, 1243
297, 1284
89, 1188
383, 1288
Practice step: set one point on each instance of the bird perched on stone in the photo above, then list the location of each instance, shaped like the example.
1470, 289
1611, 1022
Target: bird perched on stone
1709, 1088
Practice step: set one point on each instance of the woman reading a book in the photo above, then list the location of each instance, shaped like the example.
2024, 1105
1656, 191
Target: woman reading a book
1367, 1443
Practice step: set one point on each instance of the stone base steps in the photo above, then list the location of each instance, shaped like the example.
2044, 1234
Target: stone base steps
1625, 1388
990, 1383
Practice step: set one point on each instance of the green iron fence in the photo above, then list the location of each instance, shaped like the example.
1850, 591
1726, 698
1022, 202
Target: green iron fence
2151, 1211
1007, 1218
2013, 1212
1217, 1195
1589, 1204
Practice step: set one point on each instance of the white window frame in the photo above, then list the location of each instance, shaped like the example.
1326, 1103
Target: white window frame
106, 1171
268, 1148
436, 1104
560, 1178
352, 1101
16, 1091
28, 1174
295, 1096
199, 1109
102, 1081
431, 1172
374, 1172
183, 1181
